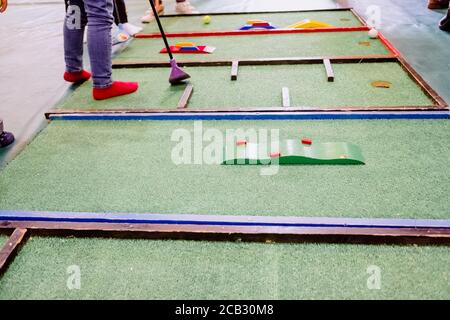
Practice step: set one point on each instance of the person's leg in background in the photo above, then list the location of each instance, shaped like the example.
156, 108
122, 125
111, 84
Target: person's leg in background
181, 7
121, 18
444, 24
6, 138
99, 17
74, 25
184, 7
148, 16
438, 4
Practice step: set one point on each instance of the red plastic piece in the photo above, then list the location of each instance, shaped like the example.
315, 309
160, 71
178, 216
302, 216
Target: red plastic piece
307, 141
261, 24
241, 142
174, 49
275, 154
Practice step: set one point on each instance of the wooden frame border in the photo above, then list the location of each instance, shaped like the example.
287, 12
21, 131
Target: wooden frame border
262, 12
117, 64
248, 32
10, 248
231, 228
362, 27
118, 115
439, 103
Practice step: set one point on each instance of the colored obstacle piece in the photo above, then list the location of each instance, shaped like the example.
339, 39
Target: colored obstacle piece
309, 24
257, 24
295, 152
189, 47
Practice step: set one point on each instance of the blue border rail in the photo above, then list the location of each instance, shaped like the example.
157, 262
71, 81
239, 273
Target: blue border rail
374, 115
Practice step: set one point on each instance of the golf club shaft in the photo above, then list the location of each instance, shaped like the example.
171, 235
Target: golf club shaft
155, 13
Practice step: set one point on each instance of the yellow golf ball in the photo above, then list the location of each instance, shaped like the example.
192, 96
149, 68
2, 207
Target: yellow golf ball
206, 19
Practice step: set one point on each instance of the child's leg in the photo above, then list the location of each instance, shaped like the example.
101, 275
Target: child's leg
184, 7
121, 18
148, 17
120, 12
100, 20
74, 25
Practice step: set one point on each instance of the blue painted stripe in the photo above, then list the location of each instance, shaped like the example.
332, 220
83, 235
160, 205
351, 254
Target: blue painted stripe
250, 221
390, 115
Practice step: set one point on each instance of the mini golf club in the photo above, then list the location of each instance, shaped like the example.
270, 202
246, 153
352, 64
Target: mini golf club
176, 74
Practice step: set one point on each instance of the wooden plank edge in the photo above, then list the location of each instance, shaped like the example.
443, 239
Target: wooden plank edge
285, 97
234, 70
239, 233
358, 16
120, 64
228, 33
328, 70
9, 249
343, 8
187, 94
425, 87
407, 109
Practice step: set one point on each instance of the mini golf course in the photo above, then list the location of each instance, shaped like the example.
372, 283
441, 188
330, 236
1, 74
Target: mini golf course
68, 168
226, 22
352, 87
119, 167
142, 269
261, 46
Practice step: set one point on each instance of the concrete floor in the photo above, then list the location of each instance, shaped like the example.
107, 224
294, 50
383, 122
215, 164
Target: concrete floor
31, 57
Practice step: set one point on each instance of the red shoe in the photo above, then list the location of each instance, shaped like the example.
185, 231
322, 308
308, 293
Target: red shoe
118, 88
77, 77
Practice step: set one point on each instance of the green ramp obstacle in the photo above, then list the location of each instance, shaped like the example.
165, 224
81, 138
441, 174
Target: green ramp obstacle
225, 22
131, 166
294, 152
307, 84
261, 46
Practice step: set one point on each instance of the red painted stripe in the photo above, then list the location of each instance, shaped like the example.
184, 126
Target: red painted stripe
251, 32
388, 45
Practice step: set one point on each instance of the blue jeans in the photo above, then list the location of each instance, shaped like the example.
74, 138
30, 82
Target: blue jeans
98, 16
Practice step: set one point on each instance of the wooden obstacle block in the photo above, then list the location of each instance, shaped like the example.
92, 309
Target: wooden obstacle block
184, 100
234, 70
286, 97
328, 69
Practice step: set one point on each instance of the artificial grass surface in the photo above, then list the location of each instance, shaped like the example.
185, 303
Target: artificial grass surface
108, 166
260, 87
327, 44
3, 238
234, 22
141, 269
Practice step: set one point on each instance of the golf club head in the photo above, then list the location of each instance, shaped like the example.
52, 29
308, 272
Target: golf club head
177, 75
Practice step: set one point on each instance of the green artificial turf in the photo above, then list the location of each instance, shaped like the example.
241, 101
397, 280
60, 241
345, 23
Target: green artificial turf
142, 269
3, 238
108, 166
261, 46
260, 87
236, 21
